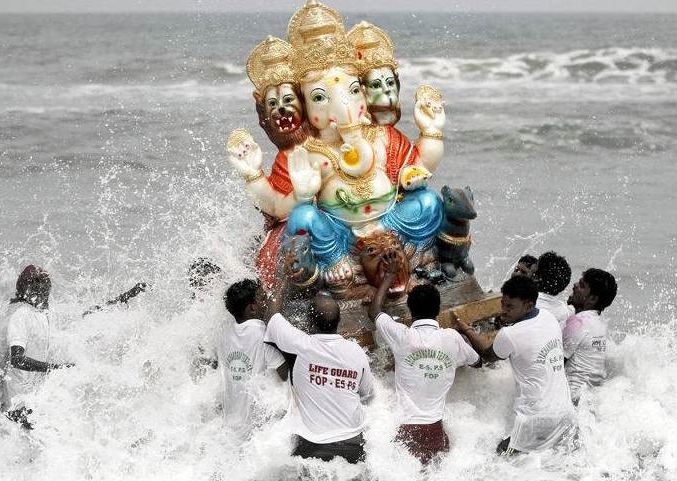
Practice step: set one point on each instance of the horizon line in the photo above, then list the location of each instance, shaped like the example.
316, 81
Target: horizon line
425, 11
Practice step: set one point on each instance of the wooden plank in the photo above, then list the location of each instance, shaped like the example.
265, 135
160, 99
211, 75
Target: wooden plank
466, 290
472, 312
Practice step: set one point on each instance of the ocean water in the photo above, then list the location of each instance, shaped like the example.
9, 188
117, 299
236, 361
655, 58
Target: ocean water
112, 171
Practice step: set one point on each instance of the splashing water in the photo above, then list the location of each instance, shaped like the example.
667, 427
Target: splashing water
106, 183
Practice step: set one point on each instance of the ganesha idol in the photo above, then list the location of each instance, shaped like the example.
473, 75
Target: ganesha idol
358, 185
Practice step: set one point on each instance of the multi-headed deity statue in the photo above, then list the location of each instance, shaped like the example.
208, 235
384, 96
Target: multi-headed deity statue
344, 177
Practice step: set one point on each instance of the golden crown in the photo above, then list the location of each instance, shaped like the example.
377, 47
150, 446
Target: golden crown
269, 64
318, 38
374, 47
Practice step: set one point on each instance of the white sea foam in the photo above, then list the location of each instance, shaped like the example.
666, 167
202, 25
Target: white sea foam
230, 68
619, 65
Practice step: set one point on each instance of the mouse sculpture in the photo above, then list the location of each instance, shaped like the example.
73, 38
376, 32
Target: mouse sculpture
453, 240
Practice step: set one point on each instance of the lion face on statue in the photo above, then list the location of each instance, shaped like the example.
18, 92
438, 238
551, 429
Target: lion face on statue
281, 115
370, 251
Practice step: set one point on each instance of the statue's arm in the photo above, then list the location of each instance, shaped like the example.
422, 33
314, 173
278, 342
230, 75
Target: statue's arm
430, 151
246, 158
430, 118
268, 199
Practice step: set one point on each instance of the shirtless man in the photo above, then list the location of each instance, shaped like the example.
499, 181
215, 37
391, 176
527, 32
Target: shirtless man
532, 340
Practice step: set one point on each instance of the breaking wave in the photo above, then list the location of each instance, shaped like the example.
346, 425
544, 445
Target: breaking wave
607, 65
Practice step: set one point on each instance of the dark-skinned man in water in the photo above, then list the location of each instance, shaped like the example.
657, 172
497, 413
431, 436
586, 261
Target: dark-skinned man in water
426, 358
242, 356
532, 340
585, 332
28, 341
329, 376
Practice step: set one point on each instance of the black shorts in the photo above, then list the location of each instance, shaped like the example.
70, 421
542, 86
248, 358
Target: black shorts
352, 450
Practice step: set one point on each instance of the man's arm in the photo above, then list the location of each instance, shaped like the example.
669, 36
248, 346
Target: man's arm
20, 361
572, 335
283, 371
121, 299
484, 347
276, 300
366, 389
376, 306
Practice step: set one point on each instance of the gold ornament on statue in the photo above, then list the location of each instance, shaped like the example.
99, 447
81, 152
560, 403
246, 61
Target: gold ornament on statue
432, 104
374, 47
237, 137
428, 92
269, 64
318, 38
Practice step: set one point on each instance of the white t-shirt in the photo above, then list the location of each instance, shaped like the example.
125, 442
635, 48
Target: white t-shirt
584, 340
555, 306
28, 327
543, 409
426, 358
243, 360
329, 379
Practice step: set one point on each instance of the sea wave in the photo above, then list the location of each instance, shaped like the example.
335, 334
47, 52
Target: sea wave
607, 65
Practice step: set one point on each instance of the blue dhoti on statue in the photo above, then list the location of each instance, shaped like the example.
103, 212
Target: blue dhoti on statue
416, 219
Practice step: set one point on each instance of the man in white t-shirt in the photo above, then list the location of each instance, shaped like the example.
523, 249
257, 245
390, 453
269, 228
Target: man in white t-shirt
552, 276
584, 336
426, 358
532, 340
330, 378
243, 357
28, 342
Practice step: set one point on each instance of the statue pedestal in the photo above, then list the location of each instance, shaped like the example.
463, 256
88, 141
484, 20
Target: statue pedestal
464, 297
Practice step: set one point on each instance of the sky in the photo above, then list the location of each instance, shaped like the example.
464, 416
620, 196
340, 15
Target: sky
81, 6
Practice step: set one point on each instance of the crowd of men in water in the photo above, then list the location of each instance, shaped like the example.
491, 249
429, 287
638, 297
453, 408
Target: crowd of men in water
556, 349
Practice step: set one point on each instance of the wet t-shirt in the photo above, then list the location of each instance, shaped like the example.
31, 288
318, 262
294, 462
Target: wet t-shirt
584, 340
243, 360
426, 358
329, 379
28, 327
543, 409
555, 306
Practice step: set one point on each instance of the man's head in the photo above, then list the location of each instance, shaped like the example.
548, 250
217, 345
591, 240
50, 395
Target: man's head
526, 266
552, 274
33, 287
519, 298
324, 314
424, 302
595, 290
246, 300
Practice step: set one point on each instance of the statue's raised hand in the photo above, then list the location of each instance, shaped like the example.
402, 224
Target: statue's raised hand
244, 154
304, 173
429, 110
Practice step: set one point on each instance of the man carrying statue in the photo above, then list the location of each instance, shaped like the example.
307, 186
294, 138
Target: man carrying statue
352, 182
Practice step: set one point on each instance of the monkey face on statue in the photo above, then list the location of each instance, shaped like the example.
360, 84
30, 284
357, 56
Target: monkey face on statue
281, 115
382, 87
